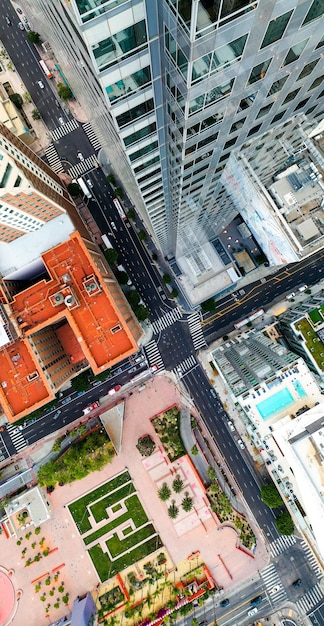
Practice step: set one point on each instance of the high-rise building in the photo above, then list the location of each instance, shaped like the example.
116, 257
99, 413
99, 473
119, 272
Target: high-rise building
61, 309
179, 84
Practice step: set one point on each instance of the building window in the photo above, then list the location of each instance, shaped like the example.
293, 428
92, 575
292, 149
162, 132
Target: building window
276, 29
316, 10
254, 130
230, 143
277, 85
307, 69
301, 104
142, 167
259, 71
140, 153
139, 134
277, 117
133, 114
128, 84
290, 96
311, 109
211, 96
265, 110
222, 57
316, 82
295, 51
121, 45
320, 43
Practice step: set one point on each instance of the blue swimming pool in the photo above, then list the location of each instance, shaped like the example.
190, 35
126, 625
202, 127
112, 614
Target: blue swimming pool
275, 404
299, 389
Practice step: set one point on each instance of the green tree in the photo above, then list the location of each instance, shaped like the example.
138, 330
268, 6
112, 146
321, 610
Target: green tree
131, 214
111, 256
134, 298
141, 312
194, 450
187, 503
119, 192
211, 473
166, 279
194, 621
27, 96
33, 37
177, 484
111, 179
209, 305
122, 278
37, 530
174, 293
74, 189
64, 91
81, 382
17, 100
173, 510
142, 235
164, 492
57, 445
285, 524
10, 67
271, 496
145, 445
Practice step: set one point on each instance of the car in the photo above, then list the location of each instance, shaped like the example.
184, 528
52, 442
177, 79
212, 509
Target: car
57, 104
56, 414
291, 295
241, 444
213, 393
297, 582
302, 288
19, 11
61, 120
230, 425
80, 156
256, 600
40, 84
114, 390
252, 611
8, 20
89, 183
90, 408
21, 26
113, 225
154, 368
225, 602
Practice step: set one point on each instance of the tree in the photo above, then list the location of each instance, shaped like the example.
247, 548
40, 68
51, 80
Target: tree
134, 298
27, 96
209, 305
131, 214
122, 278
141, 312
284, 524
33, 37
74, 189
187, 503
211, 473
81, 382
111, 179
177, 484
173, 510
119, 192
166, 279
36, 114
10, 67
271, 496
111, 256
164, 492
57, 445
194, 450
174, 293
145, 445
142, 235
64, 91
17, 100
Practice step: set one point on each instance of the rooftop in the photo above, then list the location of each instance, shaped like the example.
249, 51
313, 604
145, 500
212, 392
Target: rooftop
313, 343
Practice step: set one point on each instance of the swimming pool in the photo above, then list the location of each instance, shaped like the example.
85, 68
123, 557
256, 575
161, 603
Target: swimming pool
276, 403
299, 389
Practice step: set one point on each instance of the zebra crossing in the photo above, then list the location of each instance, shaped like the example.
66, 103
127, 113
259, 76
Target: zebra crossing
185, 366
91, 136
83, 167
166, 320
153, 355
310, 599
16, 437
65, 129
281, 544
273, 583
196, 331
311, 559
53, 159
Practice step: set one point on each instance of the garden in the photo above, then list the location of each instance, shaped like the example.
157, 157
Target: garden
167, 426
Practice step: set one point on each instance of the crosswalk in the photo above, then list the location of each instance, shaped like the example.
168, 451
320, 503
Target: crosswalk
16, 437
312, 560
53, 159
65, 129
273, 583
310, 599
196, 331
185, 366
83, 167
166, 320
153, 355
281, 544
91, 136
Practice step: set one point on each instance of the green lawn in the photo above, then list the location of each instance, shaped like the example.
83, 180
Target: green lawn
117, 546
107, 568
98, 509
134, 511
78, 508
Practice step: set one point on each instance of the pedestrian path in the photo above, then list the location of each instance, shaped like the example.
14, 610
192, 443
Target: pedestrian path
53, 159
185, 366
153, 355
281, 544
273, 583
83, 167
196, 331
65, 129
91, 136
311, 559
166, 320
16, 437
310, 599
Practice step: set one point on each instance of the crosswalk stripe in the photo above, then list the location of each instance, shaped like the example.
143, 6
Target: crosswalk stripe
169, 318
185, 366
83, 167
17, 438
196, 332
53, 159
310, 599
311, 559
65, 129
271, 579
153, 355
281, 544
91, 136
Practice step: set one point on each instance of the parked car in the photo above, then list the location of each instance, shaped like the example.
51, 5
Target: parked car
21, 26
302, 288
114, 390
253, 611
241, 444
8, 21
256, 601
230, 425
225, 602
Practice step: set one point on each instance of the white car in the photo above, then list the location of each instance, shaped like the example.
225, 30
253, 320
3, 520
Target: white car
241, 444
230, 426
40, 84
253, 611
21, 26
113, 225
80, 156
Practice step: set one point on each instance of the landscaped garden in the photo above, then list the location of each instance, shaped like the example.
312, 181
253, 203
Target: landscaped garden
128, 535
167, 426
220, 504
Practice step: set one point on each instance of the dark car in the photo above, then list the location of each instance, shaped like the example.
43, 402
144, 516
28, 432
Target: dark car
296, 583
225, 602
256, 601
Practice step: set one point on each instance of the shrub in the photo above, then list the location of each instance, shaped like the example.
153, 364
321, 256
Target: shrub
166, 279
64, 91
37, 530
111, 256
173, 510
208, 305
187, 503
271, 496
177, 484
285, 524
142, 235
74, 190
33, 37
164, 492
194, 450
48, 581
146, 445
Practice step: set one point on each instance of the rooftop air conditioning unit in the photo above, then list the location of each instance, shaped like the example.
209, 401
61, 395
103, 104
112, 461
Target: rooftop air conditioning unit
58, 298
69, 300
91, 286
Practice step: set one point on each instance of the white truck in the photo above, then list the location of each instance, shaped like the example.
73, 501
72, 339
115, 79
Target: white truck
84, 188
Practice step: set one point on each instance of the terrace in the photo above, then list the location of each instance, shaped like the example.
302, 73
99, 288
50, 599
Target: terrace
313, 343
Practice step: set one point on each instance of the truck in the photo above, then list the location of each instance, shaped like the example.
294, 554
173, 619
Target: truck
90, 408
84, 188
106, 241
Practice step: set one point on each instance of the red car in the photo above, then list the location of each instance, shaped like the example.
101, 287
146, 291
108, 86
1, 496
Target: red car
90, 408
114, 390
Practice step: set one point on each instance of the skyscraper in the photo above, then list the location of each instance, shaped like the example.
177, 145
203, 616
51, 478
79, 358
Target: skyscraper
183, 84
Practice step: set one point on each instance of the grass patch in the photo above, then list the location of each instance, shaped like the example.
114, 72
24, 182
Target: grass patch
116, 508
98, 509
107, 568
167, 426
312, 340
127, 530
78, 508
117, 546
134, 511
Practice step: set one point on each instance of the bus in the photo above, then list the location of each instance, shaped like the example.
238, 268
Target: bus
251, 318
119, 208
84, 188
106, 241
45, 69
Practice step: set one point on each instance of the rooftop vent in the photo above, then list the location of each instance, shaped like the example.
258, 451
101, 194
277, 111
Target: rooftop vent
57, 298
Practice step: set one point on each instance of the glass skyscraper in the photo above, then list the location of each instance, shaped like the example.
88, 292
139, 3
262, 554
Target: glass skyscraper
175, 86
